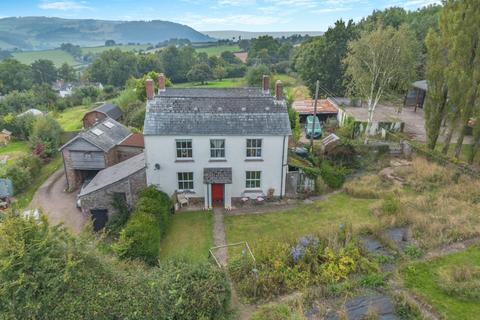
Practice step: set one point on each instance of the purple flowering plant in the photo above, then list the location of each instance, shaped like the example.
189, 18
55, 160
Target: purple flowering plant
303, 244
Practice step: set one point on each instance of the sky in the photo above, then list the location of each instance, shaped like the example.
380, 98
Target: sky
207, 15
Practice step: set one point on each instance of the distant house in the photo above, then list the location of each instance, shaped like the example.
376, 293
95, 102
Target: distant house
416, 95
5, 136
34, 112
98, 114
325, 109
93, 150
242, 56
124, 180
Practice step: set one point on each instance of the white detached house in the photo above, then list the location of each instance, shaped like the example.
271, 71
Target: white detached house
217, 145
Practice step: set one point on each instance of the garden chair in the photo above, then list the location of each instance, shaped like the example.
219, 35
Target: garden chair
182, 199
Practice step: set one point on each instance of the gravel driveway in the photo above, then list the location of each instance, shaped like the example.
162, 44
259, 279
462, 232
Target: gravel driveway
58, 205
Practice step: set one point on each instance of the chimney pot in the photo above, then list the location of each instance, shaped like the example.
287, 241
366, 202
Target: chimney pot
279, 90
266, 83
149, 88
161, 82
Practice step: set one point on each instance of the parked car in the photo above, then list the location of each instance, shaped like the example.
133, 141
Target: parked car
310, 130
84, 185
301, 151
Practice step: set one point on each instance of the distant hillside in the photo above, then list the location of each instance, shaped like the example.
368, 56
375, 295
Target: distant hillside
229, 34
35, 33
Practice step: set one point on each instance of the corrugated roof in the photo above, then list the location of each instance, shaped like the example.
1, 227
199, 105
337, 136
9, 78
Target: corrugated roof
218, 111
105, 134
115, 173
111, 110
307, 106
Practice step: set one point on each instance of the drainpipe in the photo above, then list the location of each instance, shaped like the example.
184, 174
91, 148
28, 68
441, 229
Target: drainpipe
283, 160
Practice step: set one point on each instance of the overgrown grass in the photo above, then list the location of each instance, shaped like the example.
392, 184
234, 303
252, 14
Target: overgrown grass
425, 279
58, 57
14, 150
189, 236
24, 198
71, 118
320, 216
217, 50
224, 83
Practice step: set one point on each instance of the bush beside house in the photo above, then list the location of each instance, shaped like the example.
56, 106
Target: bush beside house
140, 239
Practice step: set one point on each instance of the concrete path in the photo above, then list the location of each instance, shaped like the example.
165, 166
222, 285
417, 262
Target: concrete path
219, 238
58, 205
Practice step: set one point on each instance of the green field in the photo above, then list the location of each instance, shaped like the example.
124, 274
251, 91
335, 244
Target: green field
71, 118
100, 49
217, 50
58, 57
423, 278
225, 83
318, 217
189, 236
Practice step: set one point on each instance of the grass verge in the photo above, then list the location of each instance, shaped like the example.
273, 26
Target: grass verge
424, 279
71, 119
189, 236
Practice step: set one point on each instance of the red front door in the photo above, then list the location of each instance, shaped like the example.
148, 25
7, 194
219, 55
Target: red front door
217, 194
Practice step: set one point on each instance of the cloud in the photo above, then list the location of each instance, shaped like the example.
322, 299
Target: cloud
420, 3
228, 21
328, 10
62, 5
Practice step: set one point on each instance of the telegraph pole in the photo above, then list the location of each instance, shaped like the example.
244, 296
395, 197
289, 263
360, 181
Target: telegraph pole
314, 115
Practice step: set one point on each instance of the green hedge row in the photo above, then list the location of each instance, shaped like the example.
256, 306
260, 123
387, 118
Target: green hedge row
140, 239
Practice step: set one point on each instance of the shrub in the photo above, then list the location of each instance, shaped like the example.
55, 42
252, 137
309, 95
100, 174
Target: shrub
157, 203
20, 176
140, 239
49, 274
46, 131
254, 74
461, 281
332, 176
120, 217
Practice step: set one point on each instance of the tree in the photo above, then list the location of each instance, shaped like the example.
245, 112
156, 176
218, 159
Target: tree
263, 49
44, 71
254, 74
110, 43
379, 62
436, 106
229, 57
321, 58
14, 76
67, 73
74, 50
244, 44
46, 131
114, 67
200, 73
219, 72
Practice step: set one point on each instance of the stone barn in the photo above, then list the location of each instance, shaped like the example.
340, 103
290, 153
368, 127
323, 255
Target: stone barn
92, 150
123, 180
106, 110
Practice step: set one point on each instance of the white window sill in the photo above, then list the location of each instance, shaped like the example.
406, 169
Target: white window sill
184, 160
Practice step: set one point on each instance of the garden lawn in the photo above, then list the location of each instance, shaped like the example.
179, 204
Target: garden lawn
318, 217
422, 278
217, 50
189, 236
225, 83
71, 118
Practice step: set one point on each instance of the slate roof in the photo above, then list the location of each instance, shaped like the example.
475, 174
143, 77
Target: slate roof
111, 135
116, 173
217, 175
110, 110
216, 111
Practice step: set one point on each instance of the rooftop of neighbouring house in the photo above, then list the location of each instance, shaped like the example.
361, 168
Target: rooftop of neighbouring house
134, 140
216, 111
324, 106
115, 174
104, 135
110, 110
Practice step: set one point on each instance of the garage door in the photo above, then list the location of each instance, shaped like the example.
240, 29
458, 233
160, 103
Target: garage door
99, 218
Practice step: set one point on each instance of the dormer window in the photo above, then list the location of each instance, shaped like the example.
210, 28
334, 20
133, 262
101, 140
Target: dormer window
184, 148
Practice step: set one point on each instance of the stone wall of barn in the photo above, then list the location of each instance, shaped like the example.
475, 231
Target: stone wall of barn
103, 198
126, 152
91, 118
74, 179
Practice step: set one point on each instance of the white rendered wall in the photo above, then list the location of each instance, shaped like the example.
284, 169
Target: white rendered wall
162, 150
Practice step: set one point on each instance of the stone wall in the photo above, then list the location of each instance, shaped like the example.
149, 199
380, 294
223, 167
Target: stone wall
126, 152
103, 198
74, 179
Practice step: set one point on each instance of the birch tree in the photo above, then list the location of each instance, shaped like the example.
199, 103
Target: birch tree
381, 62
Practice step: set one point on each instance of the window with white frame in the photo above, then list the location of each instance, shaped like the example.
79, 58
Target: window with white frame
217, 148
184, 148
253, 179
185, 180
254, 148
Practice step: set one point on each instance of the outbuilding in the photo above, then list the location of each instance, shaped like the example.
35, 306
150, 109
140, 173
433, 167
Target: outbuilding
106, 110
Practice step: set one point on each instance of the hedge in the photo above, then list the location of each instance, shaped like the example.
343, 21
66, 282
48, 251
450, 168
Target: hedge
47, 273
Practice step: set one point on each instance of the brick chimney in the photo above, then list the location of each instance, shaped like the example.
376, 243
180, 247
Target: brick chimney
161, 82
149, 88
279, 90
266, 83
